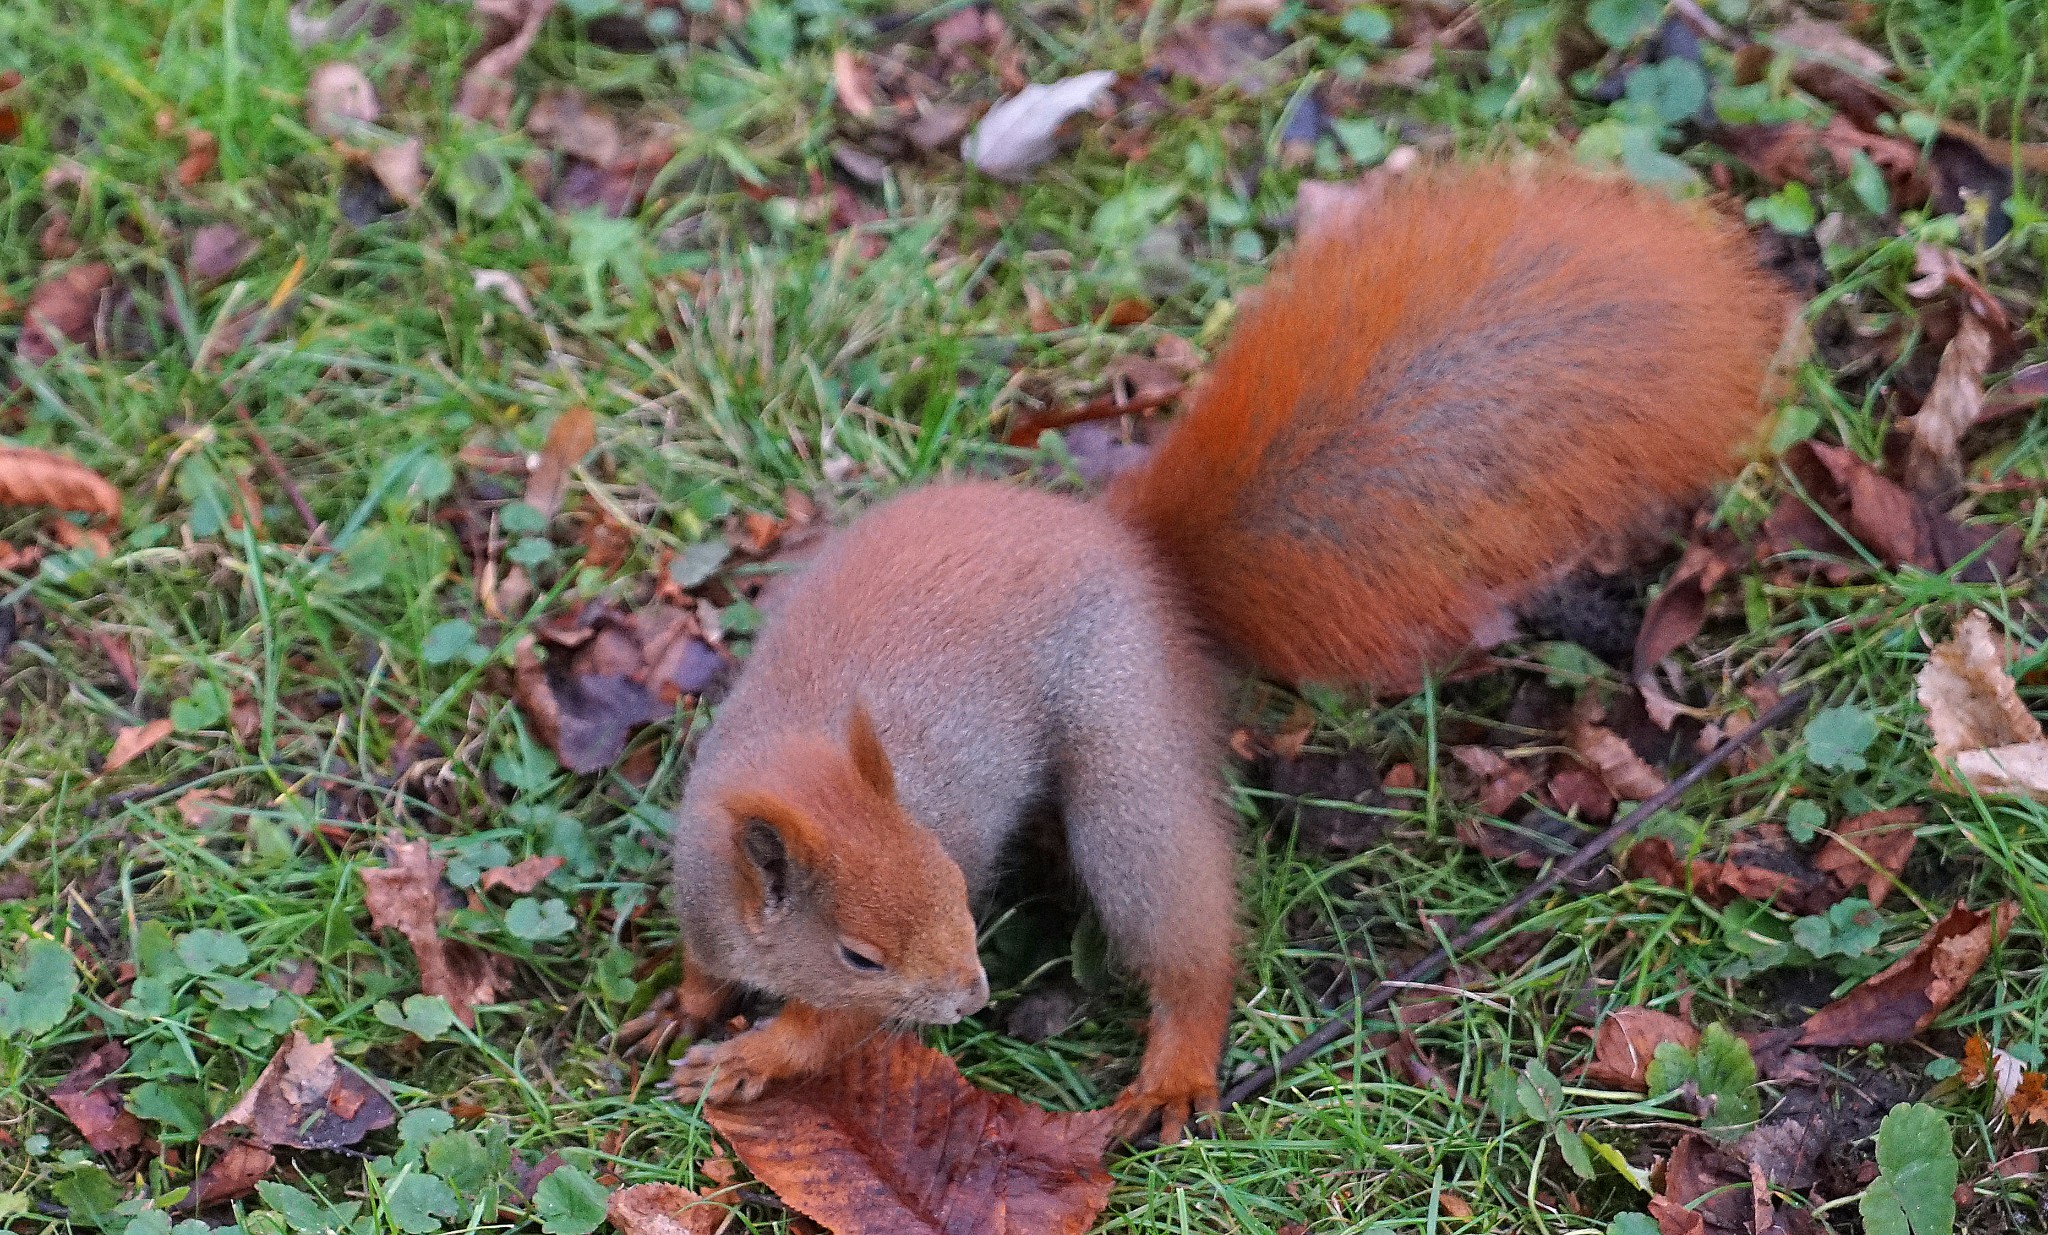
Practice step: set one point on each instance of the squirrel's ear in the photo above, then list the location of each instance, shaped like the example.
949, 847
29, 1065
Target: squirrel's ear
869, 759
776, 846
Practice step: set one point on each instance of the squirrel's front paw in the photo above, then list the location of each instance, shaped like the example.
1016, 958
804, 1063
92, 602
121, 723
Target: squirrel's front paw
1173, 1101
720, 1072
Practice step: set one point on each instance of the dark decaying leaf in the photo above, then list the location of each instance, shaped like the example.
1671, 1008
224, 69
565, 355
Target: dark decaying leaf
1680, 609
405, 895
1896, 527
1761, 865
1934, 462
895, 1139
93, 1103
305, 1098
664, 1209
1223, 53
1903, 1000
607, 673
1317, 781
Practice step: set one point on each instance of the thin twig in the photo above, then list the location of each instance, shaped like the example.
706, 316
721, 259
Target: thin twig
1106, 407
1345, 1021
316, 536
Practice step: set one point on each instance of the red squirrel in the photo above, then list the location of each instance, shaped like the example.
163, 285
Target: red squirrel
1424, 416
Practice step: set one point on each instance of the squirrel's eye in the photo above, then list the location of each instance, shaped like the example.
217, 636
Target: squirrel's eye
859, 959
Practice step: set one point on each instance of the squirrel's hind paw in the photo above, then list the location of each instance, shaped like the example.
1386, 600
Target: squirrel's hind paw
1172, 1103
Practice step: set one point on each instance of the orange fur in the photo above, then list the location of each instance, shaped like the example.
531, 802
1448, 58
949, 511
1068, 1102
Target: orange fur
1439, 402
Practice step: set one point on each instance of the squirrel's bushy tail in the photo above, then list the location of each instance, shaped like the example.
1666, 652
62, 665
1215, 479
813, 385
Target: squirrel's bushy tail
1441, 401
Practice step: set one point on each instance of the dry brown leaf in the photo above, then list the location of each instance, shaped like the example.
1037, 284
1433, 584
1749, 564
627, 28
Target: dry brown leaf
197, 807
522, 877
895, 1139
232, 1175
570, 437
2029, 1102
405, 895
1934, 461
1897, 527
1223, 52
1976, 1066
1017, 134
202, 152
854, 83
93, 1103
1626, 774
305, 1098
1626, 1041
565, 120
1903, 1000
1870, 850
398, 167
39, 478
512, 26
1972, 702
62, 310
132, 740
664, 1209
339, 99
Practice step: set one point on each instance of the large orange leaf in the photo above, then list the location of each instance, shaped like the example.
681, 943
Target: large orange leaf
895, 1140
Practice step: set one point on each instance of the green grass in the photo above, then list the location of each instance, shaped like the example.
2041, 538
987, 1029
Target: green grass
734, 350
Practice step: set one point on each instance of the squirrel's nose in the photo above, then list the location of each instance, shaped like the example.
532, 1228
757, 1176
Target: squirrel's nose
977, 999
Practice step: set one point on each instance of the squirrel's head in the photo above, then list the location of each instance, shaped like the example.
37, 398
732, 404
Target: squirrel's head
844, 900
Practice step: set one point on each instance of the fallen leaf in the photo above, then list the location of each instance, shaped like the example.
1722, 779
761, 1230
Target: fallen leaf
1983, 732
1502, 783
216, 250
2029, 1102
1934, 463
664, 1209
1897, 527
895, 1139
1901, 1001
197, 807
854, 83
1625, 773
1680, 610
339, 100
405, 895
305, 1098
1870, 850
570, 437
398, 167
607, 673
1017, 134
1941, 269
512, 26
521, 878
506, 284
1626, 1041
566, 121
233, 1174
132, 740
1976, 1065
202, 152
1224, 52
1832, 64
93, 1103
1759, 867
39, 478
62, 310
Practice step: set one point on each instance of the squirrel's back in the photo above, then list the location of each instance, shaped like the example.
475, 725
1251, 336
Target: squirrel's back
1440, 401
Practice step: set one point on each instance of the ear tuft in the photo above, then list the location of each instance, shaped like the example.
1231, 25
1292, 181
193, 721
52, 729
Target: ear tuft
869, 759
